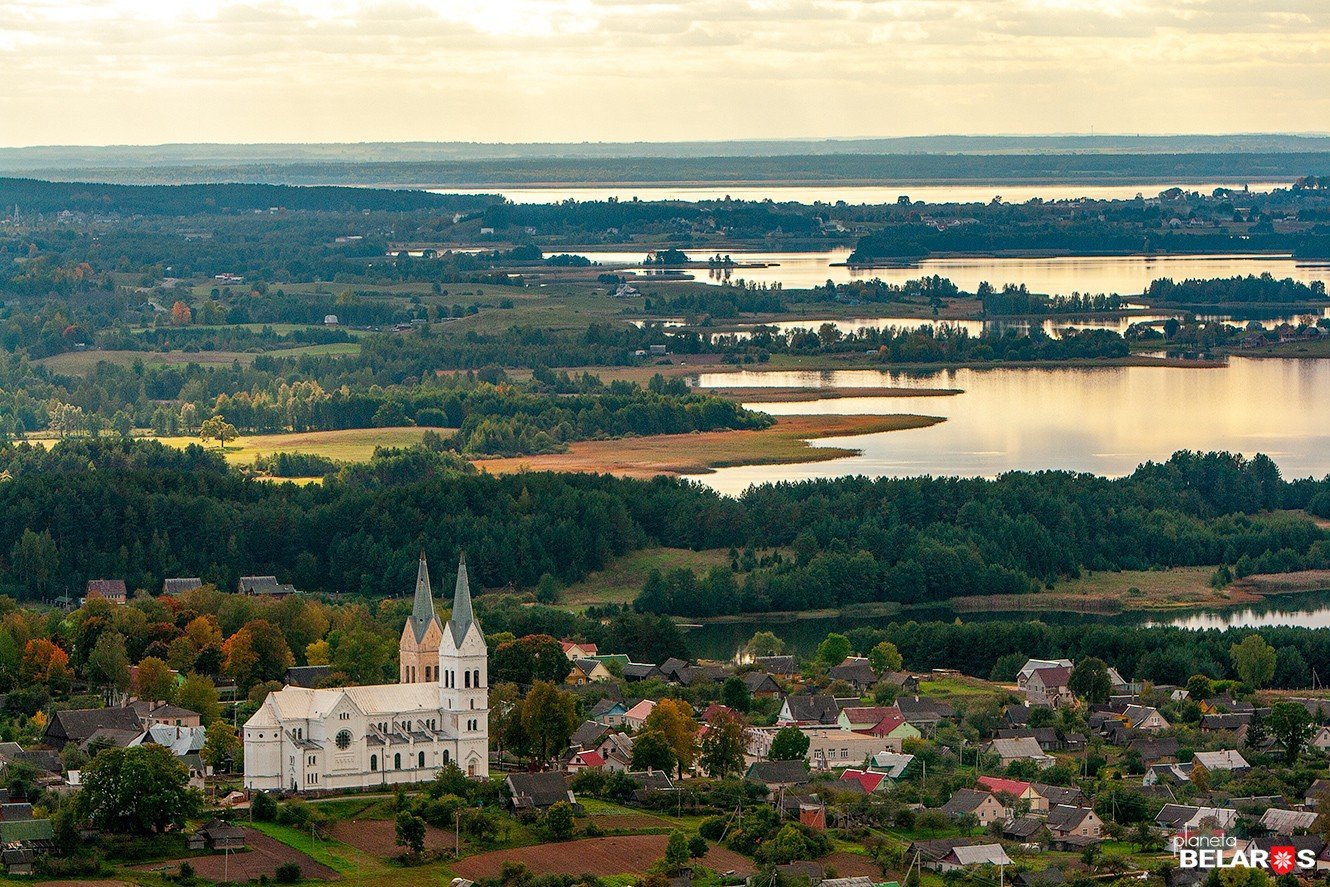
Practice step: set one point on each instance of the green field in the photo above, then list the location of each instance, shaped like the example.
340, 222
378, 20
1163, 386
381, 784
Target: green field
622, 578
349, 445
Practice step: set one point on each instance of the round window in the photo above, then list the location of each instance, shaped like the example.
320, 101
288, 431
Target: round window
344, 740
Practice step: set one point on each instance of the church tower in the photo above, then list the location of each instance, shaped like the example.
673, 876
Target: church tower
418, 650
464, 680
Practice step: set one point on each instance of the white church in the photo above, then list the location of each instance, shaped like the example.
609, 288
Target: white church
360, 737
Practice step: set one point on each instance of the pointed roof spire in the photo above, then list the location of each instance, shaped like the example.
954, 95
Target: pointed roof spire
422, 611
462, 617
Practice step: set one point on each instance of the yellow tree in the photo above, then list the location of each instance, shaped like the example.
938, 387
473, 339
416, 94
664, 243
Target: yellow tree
218, 429
674, 719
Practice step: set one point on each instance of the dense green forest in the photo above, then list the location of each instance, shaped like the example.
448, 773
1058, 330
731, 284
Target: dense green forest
915, 540
147, 511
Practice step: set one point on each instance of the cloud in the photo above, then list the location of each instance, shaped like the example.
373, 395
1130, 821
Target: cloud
303, 70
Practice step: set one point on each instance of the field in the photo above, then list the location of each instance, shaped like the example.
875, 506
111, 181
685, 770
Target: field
348, 445
261, 858
378, 837
1176, 588
783, 443
596, 856
80, 363
623, 578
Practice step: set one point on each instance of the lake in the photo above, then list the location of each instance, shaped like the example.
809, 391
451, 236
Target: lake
1061, 275
721, 640
852, 194
1105, 420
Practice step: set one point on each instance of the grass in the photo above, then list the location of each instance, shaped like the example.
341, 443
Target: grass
622, 578
1107, 592
80, 363
354, 866
785, 442
959, 686
1300, 348
348, 445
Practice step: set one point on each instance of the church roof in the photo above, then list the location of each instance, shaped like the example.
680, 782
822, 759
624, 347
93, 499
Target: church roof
462, 617
422, 611
301, 703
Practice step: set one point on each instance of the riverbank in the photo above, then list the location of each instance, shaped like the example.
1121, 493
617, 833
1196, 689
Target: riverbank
785, 442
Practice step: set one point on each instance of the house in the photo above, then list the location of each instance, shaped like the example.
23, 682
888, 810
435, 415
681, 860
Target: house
1179, 817
869, 780
112, 590
584, 760
1227, 761
265, 585
79, 725
760, 684
1065, 821
895, 730
1155, 750
1016, 715
1049, 687
856, 671
641, 671
588, 671
649, 783
574, 650
1016, 789
808, 711
1024, 749
23, 841
617, 750
151, 714
1230, 722
588, 735
1033, 665
923, 713
893, 764
217, 835
1145, 718
1288, 822
974, 854
842, 748
1322, 739
931, 852
1055, 795
537, 791
1047, 737
180, 586
308, 676
777, 666
636, 716
1167, 774
901, 680
866, 717
776, 775
1025, 829
609, 712
1317, 792
983, 806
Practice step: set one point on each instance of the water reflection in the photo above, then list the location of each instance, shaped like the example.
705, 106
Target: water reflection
1105, 420
721, 640
1060, 275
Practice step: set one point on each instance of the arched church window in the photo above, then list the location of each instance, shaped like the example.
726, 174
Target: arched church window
397, 761
373, 762
420, 760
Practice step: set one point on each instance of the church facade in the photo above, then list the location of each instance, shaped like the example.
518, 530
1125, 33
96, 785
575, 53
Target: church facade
359, 737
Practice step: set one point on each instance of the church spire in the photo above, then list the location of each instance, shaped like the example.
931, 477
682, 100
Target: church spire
462, 617
422, 611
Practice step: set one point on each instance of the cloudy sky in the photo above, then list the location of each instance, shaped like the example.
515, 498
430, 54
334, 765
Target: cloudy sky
151, 71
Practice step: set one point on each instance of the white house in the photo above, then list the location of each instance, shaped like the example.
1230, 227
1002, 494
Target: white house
303, 739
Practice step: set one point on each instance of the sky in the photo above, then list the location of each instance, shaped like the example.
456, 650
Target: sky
154, 71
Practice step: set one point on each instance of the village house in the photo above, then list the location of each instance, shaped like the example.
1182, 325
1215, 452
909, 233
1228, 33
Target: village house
264, 585
1179, 817
1145, 718
760, 684
1081, 822
856, 671
1033, 665
776, 775
1226, 761
112, 590
609, 712
635, 717
1017, 790
537, 791
842, 748
972, 855
808, 711
892, 764
575, 651
588, 671
983, 806
1048, 687
1024, 749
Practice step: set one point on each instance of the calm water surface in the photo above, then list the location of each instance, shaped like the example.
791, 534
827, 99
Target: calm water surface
853, 194
723, 640
1127, 275
1105, 420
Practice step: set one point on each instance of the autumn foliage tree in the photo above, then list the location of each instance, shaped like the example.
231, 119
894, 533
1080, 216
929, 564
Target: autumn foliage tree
181, 315
257, 652
674, 719
45, 663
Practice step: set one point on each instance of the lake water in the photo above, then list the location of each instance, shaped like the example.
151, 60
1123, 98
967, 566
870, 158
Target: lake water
723, 639
1105, 420
1054, 326
852, 194
1127, 275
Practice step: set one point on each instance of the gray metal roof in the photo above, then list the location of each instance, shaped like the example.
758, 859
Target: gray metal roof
462, 617
422, 610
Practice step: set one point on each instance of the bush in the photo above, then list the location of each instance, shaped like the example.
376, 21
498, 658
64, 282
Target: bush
287, 873
263, 806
